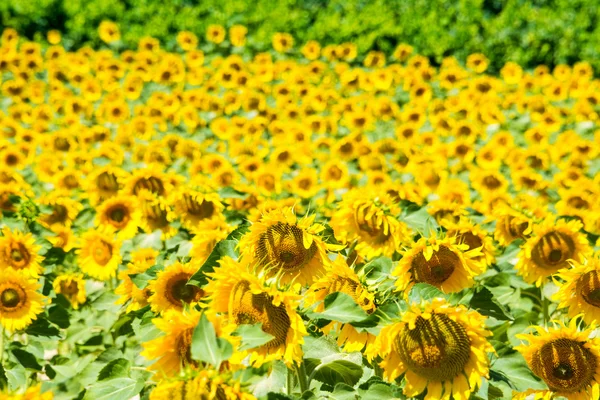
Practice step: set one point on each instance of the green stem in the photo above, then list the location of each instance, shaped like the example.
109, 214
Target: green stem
290, 381
1, 344
301, 371
545, 305
378, 369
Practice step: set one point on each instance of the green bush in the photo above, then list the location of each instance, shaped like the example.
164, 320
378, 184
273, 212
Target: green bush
528, 32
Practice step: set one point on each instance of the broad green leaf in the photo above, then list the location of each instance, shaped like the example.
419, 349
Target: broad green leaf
421, 222
222, 249
252, 336
515, 370
148, 240
206, 346
59, 316
274, 382
118, 368
342, 391
16, 377
338, 371
114, 389
341, 307
424, 292
230, 193
41, 327
141, 280
26, 359
484, 302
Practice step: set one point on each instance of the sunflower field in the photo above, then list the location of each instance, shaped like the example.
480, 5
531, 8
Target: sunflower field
309, 221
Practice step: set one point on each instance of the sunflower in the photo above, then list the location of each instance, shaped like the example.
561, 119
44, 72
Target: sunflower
369, 218
156, 214
549, 249
32, 393
579, 289
104, 183
567, 360
72, 286
64, 209
172, 351
248, 300
474, 236
120, 215
511, 225
129, 290
150, 179
65, 239
194, 207
99, 255
19, 251
341, 278
286, 246
20, 303
170, 289
440, 262
438, 348
204, 241
205, 384
109, 32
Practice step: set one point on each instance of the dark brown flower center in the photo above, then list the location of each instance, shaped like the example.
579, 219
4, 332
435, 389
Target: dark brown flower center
282, 247
553, 250
437, 269
10, 298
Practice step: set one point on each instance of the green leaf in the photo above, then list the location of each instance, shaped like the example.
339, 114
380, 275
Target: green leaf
16, 377
341, 391
118, 368
515, 370
26, 359
252, 336
41, 327
3, 379
222, 249
230, 193
272, 383
59, 316
148, 240
141, 280
341, 307
114, 389
484, 302
206, 346
424, 292
338, 371
420, 221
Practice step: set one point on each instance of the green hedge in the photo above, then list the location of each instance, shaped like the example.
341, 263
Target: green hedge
528, 32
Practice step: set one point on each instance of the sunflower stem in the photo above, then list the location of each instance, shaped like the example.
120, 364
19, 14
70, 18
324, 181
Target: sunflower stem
290, 381
1, 344
545, 305
301, 371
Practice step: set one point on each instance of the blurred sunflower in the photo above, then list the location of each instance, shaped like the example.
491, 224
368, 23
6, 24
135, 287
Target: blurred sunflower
72, 286
341, 278
579, 289
99, 255
439, 348
170, 289
205, 384
247, 300
19, 252
369, 218
20, 302
127, 290
286, 247
567, 359
550, 247
474, 236
440, 262
119, 215
194, 207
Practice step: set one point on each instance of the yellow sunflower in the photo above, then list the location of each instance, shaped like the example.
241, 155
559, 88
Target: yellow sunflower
511, 225
286, 246
579, 289
104, 183
65, 239
369, 219
150, 179
64, 210
341, 278
32, 393
72, 286
19, 251
438, 347
206, 238
247, 300
99, 255
440, 262
474, 236
567, 360
20, 303
194, 208
549, 249
120, 215
205, 384
156, 214
170, 289
129, 290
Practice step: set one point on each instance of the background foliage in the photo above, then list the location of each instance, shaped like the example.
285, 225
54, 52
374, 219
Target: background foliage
530, 33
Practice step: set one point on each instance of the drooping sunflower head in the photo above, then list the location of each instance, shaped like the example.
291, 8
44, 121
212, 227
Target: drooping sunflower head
511, 225
64, 209
341, 278
550, 248
247, 300
566, 359
371, 220
99, 255
72, 286
170, 289
19, 252
120, 215
20, 302
440, 262
150, 179
440, 348
156, 214
579, 289
286, 247
104, 183
205, 384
